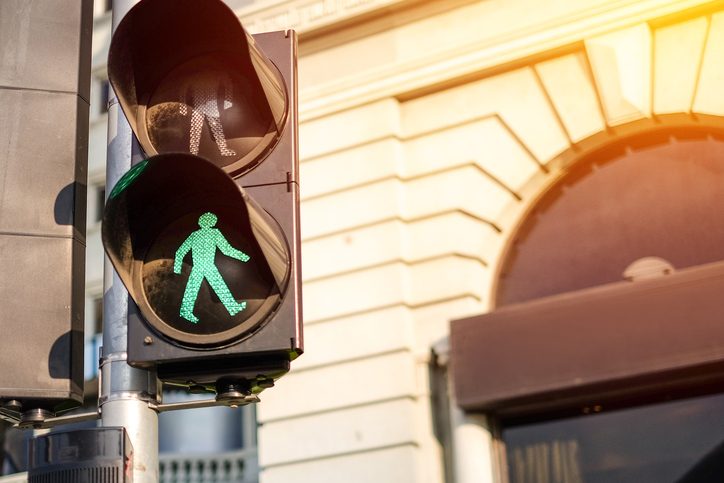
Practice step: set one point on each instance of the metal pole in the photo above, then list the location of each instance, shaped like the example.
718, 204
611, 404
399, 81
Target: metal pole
125, 391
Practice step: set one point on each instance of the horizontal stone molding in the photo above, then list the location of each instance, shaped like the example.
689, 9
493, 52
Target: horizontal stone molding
379, 425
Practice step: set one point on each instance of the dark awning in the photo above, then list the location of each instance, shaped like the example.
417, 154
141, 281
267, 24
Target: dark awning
610, 343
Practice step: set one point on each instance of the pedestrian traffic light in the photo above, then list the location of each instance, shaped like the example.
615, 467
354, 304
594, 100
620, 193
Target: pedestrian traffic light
204, 233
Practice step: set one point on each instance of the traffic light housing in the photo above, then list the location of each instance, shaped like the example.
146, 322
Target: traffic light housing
205, 232
44, 89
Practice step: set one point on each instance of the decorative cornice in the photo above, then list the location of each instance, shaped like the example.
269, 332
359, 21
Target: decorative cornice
306, 15
476, 58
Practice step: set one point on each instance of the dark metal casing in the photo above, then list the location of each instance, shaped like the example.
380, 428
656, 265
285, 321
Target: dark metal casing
44, 91
273, 184
268, 175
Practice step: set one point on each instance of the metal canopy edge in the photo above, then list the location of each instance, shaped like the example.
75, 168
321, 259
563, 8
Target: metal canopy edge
610, 343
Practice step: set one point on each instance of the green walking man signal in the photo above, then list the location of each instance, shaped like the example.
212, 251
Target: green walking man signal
203, 244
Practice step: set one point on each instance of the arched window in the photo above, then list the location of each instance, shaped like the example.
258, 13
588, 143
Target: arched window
654, 196
605, 354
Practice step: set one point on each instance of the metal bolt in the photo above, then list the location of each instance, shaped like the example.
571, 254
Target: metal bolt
148, 340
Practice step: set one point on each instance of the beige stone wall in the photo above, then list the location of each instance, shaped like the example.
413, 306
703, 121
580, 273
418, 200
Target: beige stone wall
427, 134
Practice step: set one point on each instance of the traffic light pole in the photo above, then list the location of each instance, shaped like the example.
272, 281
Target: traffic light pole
127, 393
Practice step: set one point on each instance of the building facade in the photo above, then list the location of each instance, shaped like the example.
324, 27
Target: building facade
432, 133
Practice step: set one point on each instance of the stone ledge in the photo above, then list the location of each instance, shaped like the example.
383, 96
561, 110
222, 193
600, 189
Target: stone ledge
307, 15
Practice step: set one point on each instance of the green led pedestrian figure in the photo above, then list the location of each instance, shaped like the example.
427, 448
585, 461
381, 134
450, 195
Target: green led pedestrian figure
203, 244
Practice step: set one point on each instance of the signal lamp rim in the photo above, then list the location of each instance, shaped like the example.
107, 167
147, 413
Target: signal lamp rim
219, 339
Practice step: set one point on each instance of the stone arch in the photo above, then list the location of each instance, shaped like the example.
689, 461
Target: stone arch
631, 85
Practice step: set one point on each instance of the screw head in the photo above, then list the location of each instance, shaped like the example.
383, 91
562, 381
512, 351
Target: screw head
148, 340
